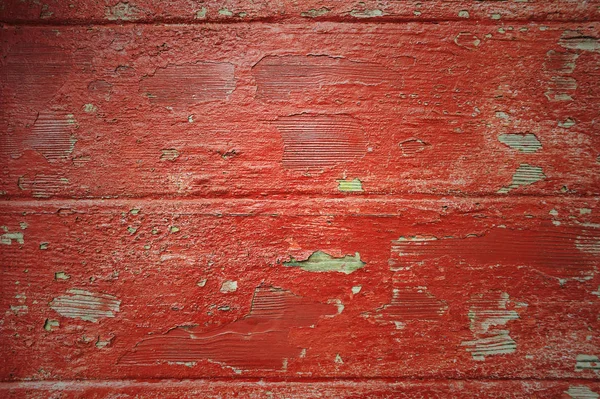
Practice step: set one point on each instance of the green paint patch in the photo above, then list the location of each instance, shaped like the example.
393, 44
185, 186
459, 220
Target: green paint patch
51, 325
61, 276
8, 237
350, 186
321, 262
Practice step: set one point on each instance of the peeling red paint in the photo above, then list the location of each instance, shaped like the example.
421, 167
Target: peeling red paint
308, 199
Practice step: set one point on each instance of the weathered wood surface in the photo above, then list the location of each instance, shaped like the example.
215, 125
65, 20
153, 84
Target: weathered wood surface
307, 199
215, 110
430, 288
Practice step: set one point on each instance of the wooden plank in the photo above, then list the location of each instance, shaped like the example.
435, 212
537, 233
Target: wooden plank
316, 389
188, 111
430, 288
177, 11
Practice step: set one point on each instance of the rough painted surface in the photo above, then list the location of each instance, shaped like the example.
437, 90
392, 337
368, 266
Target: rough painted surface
299, 199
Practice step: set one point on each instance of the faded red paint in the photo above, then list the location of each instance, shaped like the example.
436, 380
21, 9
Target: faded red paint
435, 164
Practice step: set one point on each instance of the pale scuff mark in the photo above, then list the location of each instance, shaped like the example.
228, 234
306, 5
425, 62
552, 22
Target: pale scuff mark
321, 262
581, 392
354, 185
527, 143
85, 305
587, 362
8, 237
524, 176
488, 311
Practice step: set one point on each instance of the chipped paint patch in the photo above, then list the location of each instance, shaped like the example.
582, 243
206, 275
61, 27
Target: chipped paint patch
315, 12
224, 11
321, 262
581, 392
499, 344
502, 115
43, 186
201, 283
527, 143
587, 362
560, 88
574, 40
85, 305
354, 185
588, 243
201, 13
356, 289
51, 325
89, 108
122, 11
524, 176
61, 276
567, 123
467, 40
463, 14
367, 13
169, 154
488, 311
8, 237
229, 286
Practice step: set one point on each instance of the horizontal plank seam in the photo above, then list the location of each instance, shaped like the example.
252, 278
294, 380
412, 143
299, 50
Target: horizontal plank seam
262, 380
291, 21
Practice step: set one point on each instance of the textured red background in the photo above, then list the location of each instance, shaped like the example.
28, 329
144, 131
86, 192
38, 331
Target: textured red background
163, 163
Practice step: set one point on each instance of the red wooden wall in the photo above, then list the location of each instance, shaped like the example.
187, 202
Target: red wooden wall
300, 199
